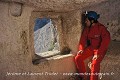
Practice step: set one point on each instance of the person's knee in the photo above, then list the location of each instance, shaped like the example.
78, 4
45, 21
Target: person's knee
78, 58
95, 66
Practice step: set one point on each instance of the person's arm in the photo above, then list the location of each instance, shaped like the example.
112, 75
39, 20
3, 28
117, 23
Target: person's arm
105, 35
83, 39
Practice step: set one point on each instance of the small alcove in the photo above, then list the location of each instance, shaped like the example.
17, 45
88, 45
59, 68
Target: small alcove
46, 36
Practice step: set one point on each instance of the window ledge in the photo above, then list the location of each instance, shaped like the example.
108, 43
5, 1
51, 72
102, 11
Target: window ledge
49, 55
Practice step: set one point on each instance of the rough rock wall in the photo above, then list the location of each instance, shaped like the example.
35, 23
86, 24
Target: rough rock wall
68, 27
16, 46
16, 52
57, 6
109, 16
56, 19
72, 28
110, 63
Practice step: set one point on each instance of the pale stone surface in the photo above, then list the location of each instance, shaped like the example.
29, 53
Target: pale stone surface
114, 28
14, 51
49, 53
15, 55
15, 9
17, 47
110, 63
57, 5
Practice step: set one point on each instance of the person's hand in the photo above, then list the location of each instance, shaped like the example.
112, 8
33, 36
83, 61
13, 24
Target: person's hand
79, 52
95, 57
90, 65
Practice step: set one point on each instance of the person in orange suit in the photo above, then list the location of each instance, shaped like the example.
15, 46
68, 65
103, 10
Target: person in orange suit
94, 42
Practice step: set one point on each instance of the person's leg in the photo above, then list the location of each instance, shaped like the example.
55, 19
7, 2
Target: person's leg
79, 60
95, 68
80, 64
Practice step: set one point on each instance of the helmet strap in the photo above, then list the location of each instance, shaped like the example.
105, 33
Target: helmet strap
90, 24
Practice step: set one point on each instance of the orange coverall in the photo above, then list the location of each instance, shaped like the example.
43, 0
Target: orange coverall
99, 39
